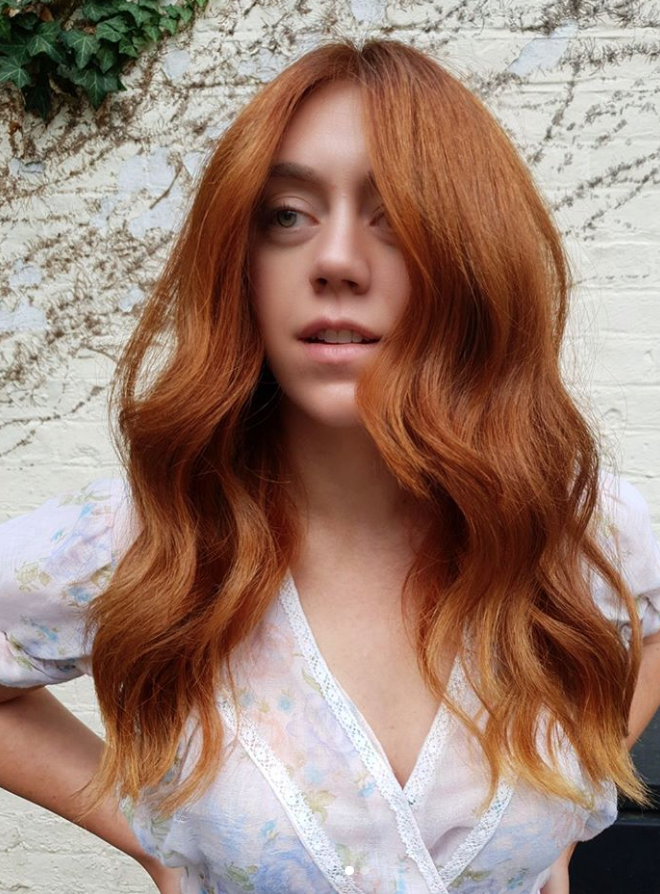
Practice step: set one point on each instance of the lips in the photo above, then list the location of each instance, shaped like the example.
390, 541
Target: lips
337, 355
313, 328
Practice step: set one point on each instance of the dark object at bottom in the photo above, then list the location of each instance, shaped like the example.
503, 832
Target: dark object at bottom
624, 859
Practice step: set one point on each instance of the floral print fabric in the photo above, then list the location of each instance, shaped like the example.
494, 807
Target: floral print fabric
305, 799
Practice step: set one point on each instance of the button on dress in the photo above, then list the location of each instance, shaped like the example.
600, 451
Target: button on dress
306, 800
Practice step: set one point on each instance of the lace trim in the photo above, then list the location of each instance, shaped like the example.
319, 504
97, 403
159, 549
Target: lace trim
479, 836
435, 742
305, 823
381, 771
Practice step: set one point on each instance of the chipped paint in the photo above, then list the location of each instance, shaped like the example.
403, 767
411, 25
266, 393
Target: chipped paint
371, 11
23, 318
544, 52
175, 64
131, 299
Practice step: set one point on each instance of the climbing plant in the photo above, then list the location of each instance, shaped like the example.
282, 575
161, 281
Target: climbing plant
68, 46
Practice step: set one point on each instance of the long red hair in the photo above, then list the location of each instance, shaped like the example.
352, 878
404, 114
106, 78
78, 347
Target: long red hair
464, 400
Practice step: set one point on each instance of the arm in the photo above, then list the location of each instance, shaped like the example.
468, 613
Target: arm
47, 754
645, 702
646, 698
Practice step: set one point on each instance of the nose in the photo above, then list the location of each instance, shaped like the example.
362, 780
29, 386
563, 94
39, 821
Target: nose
340, 257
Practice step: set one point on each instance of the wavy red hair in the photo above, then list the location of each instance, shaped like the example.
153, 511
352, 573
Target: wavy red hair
465, 402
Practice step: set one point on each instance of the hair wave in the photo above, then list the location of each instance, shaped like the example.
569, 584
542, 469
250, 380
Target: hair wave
464, 400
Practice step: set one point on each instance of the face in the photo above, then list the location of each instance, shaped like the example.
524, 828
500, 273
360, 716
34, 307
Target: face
323, 251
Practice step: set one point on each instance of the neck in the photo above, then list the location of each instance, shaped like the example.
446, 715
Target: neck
341, 485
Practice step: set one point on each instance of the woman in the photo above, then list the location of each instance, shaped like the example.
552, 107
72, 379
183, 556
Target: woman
365, 617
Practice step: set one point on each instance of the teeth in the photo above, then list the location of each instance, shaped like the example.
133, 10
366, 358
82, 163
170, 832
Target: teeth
339, 336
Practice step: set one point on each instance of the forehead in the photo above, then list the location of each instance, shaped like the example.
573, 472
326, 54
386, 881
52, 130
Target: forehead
325, 140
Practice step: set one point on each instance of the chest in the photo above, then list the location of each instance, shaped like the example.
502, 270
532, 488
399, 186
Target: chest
359, 627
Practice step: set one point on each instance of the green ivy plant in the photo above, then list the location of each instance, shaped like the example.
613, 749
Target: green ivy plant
65, 46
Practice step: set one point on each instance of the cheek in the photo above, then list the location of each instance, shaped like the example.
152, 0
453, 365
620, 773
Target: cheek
278, 285
263, 288
273, 308
401, 282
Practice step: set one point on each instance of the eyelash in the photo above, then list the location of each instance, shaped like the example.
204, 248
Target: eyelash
270, 213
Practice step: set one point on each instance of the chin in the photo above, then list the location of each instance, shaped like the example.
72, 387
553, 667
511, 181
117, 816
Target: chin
336, 418
332, 414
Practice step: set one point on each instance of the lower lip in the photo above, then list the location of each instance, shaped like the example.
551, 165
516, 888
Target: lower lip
324, 353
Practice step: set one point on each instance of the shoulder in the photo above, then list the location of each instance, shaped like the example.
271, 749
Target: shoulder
70, 528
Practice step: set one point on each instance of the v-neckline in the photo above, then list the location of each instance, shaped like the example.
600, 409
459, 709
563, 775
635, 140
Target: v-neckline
401, 800
436, 736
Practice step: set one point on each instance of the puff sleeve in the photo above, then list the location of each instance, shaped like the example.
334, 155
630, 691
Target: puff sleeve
53, 561
625, 525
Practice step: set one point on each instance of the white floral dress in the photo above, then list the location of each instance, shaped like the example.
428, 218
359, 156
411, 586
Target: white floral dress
306, 800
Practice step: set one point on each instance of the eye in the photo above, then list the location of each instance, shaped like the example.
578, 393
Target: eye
280, 212
282, 216
381, 213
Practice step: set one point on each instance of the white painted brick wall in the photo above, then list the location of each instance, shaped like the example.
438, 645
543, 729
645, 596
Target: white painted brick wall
89, 204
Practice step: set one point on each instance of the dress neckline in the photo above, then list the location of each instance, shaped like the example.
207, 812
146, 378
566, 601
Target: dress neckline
402, 799
436, 736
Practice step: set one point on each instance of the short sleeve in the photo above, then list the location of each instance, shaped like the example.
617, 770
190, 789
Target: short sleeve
627, 532
53, 561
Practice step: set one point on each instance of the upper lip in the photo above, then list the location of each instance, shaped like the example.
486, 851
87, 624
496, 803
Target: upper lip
326, 323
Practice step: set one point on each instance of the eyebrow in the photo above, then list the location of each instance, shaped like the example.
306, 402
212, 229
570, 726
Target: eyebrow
292, 170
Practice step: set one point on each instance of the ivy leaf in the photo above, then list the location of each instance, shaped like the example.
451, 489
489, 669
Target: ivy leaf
94, 11
152, 32
89, 56
112, 29
46, 40
168, 24
106, 57
84, 45
140, 16
97, 85
138, 42
127, 48
17, 49
11, 70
